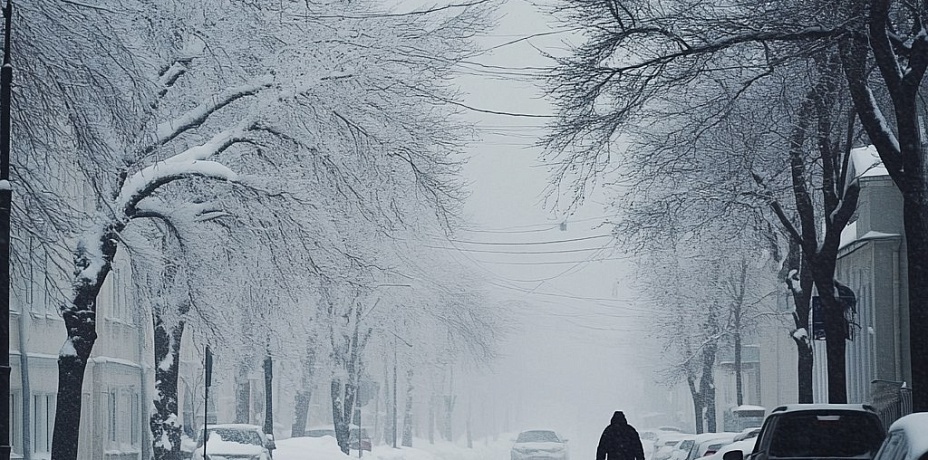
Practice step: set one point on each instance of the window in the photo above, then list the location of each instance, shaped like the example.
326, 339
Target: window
894, 447
43, 422
135, 421
826, 435
111, 416
16, 433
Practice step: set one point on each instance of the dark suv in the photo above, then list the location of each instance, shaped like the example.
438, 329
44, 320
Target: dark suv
817, 431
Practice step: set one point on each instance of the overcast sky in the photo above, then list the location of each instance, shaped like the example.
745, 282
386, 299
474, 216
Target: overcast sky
570, 361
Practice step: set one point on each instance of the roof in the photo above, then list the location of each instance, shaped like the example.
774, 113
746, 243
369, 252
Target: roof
866, 162
821, 407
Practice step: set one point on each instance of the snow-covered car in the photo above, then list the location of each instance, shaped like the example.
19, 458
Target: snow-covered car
745, 446
907, 439
365, 442
233, 441
748, 433
539, 445
665, 445
708, 443
649, 440
833, 431
682, 449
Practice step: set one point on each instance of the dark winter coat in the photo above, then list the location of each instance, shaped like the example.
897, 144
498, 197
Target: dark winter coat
619, 441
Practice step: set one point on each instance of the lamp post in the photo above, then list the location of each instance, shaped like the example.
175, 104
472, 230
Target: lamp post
395, 379
395, 418
6, 193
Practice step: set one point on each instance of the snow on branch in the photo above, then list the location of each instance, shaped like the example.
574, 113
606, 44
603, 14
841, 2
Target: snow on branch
170, 75
191, 162
169, 130
687, 50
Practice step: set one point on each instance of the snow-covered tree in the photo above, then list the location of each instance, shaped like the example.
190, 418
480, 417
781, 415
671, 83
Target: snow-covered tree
329, 97
637, 54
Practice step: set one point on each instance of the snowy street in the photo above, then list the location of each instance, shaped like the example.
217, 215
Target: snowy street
326, 449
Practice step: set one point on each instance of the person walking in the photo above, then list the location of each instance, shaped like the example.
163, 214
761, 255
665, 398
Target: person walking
620, 441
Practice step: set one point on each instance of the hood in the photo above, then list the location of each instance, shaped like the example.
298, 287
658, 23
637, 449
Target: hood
618, 418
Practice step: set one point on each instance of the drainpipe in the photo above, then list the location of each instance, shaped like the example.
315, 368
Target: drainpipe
27, 387
897, 330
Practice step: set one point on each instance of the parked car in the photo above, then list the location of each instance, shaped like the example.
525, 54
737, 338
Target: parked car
833, 431
748, 433
745, 446
907, 439
682, 449
238, 441
649, 440
708, 443
539, 445
665, 446
353, 442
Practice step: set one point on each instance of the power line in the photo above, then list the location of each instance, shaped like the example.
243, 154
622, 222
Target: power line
548, 225
554, 263
487, 251
531, 243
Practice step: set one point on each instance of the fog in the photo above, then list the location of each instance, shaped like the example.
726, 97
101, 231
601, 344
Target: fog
575, 350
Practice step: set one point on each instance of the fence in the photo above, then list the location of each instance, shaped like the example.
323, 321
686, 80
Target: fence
890, 399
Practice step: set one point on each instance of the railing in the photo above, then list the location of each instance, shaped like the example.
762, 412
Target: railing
891, 400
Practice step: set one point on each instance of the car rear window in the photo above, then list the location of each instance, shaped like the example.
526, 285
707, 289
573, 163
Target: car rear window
537, 436
820, 435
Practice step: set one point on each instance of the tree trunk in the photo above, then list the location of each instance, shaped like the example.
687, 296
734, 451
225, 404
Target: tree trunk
166, 432
739, 380
407, 414
707, 382
304, 395
915, 207
698, 405
449, 410
835, 336
268, 395
432, 419
388, 430
80, 320
799, 281
242, 395
338, 414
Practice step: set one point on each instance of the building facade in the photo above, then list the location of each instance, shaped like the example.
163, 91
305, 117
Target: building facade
872, 262
115, 384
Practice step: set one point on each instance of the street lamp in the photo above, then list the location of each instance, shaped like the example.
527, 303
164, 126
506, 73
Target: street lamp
6, 194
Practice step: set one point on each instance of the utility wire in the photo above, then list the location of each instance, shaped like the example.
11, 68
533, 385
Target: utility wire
486, 251
554, 263
532, 243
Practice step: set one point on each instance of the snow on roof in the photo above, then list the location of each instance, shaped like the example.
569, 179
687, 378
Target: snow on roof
849, 235
803, 407
749, 407
915, 426
865, 162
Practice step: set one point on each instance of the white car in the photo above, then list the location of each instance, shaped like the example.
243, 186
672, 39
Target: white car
708, 444
234, 442
539, 445
907, 439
